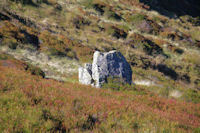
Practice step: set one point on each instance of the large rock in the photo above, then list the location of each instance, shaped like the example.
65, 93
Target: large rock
85, 74
110, 64
105, 65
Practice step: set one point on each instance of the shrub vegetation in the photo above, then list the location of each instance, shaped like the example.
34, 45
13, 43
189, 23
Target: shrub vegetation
33, 104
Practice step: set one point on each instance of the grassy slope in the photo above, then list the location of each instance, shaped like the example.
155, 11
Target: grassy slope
74, 32
32, 104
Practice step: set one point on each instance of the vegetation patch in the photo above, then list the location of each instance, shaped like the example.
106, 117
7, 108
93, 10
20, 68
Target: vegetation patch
12, 35
34, 70
59, 45
149, 26
135, 19
79, 22
117, 32
46, 106
111, 14
193, 20
35, 2
170, 34
4, 17
3, 56
164, 54
140, 42
53, 44
167, 71
99, 7
192, 95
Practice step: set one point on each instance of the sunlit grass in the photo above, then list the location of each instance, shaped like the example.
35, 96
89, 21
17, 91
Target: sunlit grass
30, 103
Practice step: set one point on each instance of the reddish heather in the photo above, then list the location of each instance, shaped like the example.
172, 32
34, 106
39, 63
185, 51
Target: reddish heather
77, 102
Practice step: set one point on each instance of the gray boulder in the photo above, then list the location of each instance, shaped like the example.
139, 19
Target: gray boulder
85, 74
109, 64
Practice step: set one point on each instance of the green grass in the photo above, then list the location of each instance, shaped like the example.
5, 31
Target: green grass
44, 105
34, 70
137, 18
88, 3
195, 35
117, 84
192, 96
3, 56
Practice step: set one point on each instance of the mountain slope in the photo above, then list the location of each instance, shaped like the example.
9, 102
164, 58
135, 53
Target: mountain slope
176, 7
52, 38
30, 103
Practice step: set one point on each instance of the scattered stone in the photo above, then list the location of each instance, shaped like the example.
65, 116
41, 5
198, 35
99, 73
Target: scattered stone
144, 82
175, 94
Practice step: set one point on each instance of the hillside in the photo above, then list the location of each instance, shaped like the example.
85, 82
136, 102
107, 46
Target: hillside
43, 42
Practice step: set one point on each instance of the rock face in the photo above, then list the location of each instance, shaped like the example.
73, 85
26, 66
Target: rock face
85, 74
108, 64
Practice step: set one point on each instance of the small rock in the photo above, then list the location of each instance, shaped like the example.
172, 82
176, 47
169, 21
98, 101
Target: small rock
144, 82
175, 94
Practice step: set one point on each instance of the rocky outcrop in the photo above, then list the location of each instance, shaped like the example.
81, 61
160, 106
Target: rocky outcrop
85, 74
109, 64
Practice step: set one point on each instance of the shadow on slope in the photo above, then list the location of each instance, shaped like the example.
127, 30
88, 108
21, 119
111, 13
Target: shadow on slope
173, 8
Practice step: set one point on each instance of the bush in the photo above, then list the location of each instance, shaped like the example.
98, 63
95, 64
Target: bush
59, 45
193, 21
11, 43
116, 83
146, 45
3, 57
34, 70
52, 43
88, 3
99, 8
149, 26
56, 52
37, 2
117, 32
23, 1
165, 91
112, 15
12, 35
135, 19
170, 33
192, 96
197, 130
79, 22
